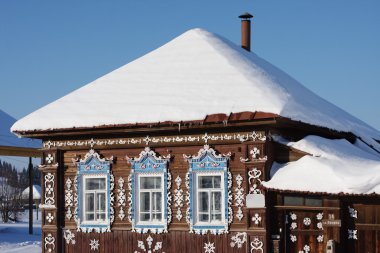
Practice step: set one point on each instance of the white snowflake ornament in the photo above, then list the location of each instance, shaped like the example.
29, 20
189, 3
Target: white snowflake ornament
94, 244
209, 247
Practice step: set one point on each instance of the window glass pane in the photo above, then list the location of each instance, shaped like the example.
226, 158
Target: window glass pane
90, 216
144, 216
203, 202
150, 182
156, 205
209, 181
144, 202
216, 201
217, 180
293, 201
89, 202
101, 198
205, 182
156, 216
216, 217
95, 184
101, 216
313, 202
203, 217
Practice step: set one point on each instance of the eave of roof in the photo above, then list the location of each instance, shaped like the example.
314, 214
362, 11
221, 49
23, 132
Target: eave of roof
209, 122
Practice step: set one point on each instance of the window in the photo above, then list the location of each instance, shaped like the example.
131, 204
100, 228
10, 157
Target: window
150, 208
94, 183
95, 199
209, 199
209, 189
302, 201
149, 196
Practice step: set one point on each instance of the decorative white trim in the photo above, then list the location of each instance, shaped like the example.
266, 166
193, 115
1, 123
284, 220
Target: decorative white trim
239, 196
307, 221
178, 198
254, 181
93, 154
121, 198
258, 136
257, 245
187, 183
69, 198
352, 234
353, 212
293, 216
76, 219
293, 225
256, 219
320, 225
130, 199
238, 239
209, 247
49, 217
69, 237
49, 243
112, 198
320, 238
94, 244
49, 159
293, 238
254, 152
244, 160
230, 212
207, 149
169, 197
306, 248
147, 152
148, 247
242, 137
49, 189
319, 216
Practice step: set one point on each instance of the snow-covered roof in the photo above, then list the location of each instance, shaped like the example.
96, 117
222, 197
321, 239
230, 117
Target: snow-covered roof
334, 167
36, 192
196, 74
8, 139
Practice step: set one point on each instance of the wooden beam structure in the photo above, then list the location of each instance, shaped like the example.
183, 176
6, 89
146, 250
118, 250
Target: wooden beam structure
19, 151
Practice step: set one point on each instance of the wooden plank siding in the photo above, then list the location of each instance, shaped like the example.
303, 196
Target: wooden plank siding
178, 239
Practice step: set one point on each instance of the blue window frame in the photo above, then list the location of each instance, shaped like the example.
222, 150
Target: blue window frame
94, 191
209, 192
150, 197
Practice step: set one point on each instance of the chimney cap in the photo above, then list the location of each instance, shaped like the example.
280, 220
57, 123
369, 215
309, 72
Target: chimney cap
246, 16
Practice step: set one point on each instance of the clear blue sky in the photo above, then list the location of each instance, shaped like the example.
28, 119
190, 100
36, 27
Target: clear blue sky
50, 48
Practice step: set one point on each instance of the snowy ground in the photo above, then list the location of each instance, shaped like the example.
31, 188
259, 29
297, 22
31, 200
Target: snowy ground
14, 237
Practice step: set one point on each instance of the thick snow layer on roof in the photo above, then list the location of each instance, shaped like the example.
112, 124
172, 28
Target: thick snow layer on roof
334, 166
36, 192
196, 74
8, 139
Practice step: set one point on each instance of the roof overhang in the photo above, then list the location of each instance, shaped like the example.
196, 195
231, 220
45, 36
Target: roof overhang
20, 151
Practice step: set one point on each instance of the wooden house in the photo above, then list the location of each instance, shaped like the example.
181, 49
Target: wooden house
202, 146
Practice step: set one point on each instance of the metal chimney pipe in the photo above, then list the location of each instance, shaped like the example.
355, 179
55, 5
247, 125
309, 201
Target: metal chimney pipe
246, 31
